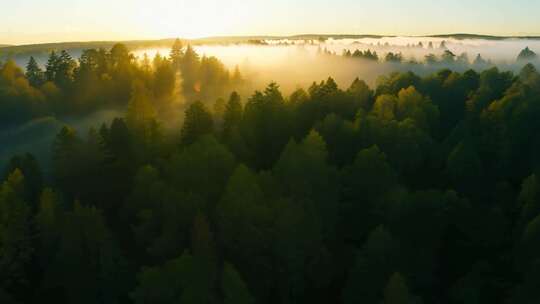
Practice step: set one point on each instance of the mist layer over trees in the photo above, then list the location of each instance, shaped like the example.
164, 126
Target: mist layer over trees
175, 182
294, 61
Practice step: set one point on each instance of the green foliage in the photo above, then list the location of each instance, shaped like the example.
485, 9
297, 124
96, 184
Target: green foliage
20, 101
385, 107
164, 77
411, 104
393, 57
197, 123
166, 284
140, 111
265, 126
103, 78
86, 245
242, 213
362, 93
367, 54
529, 199
365, 183
464, 167
234, 288
33, 176
48, 221
309, 180
424, 186
15, 234
60, 68
176, 54
34, 73
232, 115
526, 54
396, 291
373, 265
202, 169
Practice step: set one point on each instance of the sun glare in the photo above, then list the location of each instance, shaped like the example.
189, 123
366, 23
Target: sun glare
167, 18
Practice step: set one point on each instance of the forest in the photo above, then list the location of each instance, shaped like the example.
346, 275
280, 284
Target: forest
419, 189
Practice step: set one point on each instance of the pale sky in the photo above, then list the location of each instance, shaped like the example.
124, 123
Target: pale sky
37, 21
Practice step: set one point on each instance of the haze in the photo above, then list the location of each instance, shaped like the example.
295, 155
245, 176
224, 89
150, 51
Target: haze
36, 21
269, 152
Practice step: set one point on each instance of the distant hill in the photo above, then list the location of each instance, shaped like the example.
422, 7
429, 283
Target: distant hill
36, 49
47, 47
484, 37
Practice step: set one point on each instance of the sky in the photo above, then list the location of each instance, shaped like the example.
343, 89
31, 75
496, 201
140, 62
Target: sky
39, 21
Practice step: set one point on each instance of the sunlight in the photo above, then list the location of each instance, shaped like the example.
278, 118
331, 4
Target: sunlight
269, 151
167, 18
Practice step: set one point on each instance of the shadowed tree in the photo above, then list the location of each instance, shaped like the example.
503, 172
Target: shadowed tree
197, 123
232, 115
526, 55
265, 126
48, 222
397, 292
374, 263
34, 73
365, 183
33, 177
233, 287
140, 111
86, 246
15, 233
189, 69
164, 79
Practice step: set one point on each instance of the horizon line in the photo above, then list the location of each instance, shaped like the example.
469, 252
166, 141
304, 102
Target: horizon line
292, 36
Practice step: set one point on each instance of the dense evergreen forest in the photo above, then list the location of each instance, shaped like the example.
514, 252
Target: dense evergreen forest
418, 190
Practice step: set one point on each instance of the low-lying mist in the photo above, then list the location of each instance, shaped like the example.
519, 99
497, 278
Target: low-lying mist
297, 63
38, 135
291, 64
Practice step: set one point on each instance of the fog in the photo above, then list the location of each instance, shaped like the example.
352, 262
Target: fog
38, 135
290, 63
297, 63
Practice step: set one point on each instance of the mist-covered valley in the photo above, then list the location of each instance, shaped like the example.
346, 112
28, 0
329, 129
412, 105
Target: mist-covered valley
306, 154
291, 63
270, 152
271, 171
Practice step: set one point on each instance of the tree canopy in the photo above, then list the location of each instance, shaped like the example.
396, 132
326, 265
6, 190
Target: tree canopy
419, 189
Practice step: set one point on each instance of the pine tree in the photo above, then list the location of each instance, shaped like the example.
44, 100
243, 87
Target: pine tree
198, 122
176, 54
66, 160
34, 73
234, 288
48, 223
15, 243
233, 114
526, 54
190, 70
52, 66
237, 79
396, 291
140, 112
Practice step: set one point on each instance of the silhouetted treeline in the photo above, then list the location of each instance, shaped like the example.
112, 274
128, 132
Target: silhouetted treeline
420, 190
446, 59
